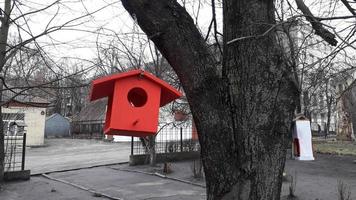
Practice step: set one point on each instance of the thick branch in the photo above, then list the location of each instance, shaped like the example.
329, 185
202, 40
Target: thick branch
348, 6
317, 26
174, 33
4, 31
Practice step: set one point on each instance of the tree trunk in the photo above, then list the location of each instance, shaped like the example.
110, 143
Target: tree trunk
4, 31
329, 102
262, 99
242, 113
152, 149
348, 111
344, 125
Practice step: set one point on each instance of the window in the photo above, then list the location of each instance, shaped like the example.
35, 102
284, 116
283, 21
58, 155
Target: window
315, 102
13, 116
321, 102
340, 88
322, 117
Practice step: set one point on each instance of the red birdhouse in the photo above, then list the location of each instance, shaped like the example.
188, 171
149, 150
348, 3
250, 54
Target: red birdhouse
134, 99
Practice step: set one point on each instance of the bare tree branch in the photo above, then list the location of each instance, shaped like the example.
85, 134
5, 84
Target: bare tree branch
348, 6
317, 26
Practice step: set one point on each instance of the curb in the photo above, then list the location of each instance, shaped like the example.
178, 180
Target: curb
160, 176
94, 192
78, 168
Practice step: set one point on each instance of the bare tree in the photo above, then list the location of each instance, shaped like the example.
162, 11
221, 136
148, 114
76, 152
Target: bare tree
319, 67
16, 19
241, 128
243, 111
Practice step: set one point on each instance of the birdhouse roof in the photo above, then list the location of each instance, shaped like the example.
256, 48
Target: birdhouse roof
103, 87
300, 117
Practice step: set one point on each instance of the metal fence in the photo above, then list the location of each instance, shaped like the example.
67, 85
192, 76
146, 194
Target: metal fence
15, 149
318, 129
169, 139
87, 129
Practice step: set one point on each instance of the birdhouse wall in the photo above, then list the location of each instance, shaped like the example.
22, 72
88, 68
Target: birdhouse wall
108, 113
135, 106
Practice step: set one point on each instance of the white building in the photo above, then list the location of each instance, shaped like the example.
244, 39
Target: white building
28, 110
316, 67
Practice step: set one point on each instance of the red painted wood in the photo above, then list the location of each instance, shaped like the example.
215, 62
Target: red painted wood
134, 99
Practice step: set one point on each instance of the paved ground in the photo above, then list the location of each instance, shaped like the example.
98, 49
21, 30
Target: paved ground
315, 179
64, 154
110, 181
39, 188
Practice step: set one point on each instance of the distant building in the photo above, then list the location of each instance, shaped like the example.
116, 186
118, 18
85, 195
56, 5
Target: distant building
310, 56
89, 122
27, 109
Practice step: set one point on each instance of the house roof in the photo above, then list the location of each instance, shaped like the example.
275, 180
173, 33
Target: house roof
20, 97
300, 116
94, 111
51, 116
56, 115
104, 86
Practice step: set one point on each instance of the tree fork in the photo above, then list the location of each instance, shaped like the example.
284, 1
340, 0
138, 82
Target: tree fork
243, 113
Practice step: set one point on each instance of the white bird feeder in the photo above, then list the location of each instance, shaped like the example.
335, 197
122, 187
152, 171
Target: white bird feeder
302, 139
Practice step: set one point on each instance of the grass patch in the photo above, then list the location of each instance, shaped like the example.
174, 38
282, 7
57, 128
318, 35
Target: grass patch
335, 147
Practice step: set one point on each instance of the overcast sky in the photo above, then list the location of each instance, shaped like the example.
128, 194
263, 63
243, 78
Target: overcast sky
78, 39
80, 36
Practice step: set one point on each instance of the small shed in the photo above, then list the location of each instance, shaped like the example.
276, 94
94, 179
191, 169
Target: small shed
26, 107
57, 126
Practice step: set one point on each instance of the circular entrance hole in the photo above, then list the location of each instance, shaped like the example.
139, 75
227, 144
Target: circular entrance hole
137, 97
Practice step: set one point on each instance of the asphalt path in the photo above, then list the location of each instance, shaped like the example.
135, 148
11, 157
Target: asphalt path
317, 179
66, 154
320, 179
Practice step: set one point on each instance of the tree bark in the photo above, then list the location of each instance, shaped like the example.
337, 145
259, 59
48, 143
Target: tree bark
329, 104
242, 113
4, 31
152, 150
348, 112
345, 125
316, 24
262, 96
